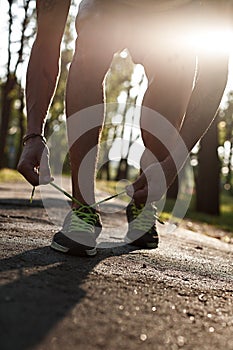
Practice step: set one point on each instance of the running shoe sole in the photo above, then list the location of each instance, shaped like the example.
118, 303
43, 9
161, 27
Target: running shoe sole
141, 244
72, 248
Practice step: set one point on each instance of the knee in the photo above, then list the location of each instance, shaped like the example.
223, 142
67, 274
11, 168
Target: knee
157, 147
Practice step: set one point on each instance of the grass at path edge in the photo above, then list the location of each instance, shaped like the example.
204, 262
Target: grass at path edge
222, 222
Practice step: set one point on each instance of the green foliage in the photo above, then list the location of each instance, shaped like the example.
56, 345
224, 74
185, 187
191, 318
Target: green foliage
56, 112
10, 175
222, 222
226, 143
119, 117
226, 120
118, 79
119, 76
20, 32
55, 126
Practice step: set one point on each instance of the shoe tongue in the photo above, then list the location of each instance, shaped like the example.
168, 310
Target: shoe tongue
140, 206
86, 209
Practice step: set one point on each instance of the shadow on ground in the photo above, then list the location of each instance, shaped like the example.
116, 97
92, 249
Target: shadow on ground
36, 301
40, 289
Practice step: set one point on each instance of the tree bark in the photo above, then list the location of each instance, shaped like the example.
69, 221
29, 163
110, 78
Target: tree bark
208, 177
21, 127
123, 169
7, 100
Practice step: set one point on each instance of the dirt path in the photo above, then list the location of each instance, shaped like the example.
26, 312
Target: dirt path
179, 296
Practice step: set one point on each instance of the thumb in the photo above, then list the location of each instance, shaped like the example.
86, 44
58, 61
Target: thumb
44, 170
137, 185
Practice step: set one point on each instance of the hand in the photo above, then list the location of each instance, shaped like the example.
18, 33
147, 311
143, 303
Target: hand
151, 184
34, 162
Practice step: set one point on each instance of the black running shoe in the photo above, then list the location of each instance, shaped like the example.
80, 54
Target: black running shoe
142, 226
79, 232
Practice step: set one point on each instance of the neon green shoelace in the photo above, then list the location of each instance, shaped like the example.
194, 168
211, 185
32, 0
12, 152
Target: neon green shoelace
146, 220
83, 220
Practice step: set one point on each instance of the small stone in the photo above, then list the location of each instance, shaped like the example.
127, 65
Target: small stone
198, 247
8, 298
143, 337
202, 297
180, 340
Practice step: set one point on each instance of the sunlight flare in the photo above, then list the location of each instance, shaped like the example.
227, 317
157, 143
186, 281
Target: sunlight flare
212, 40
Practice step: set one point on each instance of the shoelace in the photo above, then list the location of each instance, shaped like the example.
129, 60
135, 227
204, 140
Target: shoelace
83, 219
74, 199
146, 220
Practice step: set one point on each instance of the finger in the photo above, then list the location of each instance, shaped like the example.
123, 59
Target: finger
138, 190
140, 196
44, 169
138, 184
27, 170
130, 190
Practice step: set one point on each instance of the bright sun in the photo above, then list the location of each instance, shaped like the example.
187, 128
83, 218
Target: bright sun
213, 40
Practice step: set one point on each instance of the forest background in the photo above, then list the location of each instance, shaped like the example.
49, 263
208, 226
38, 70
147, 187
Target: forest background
209, 172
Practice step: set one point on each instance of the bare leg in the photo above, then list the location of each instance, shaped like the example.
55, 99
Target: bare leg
165, 103
91, 62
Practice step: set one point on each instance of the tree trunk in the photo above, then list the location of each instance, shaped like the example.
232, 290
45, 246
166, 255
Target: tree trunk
208, 178
122, 171
21, 127
173, 190
104, 172
7, 99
